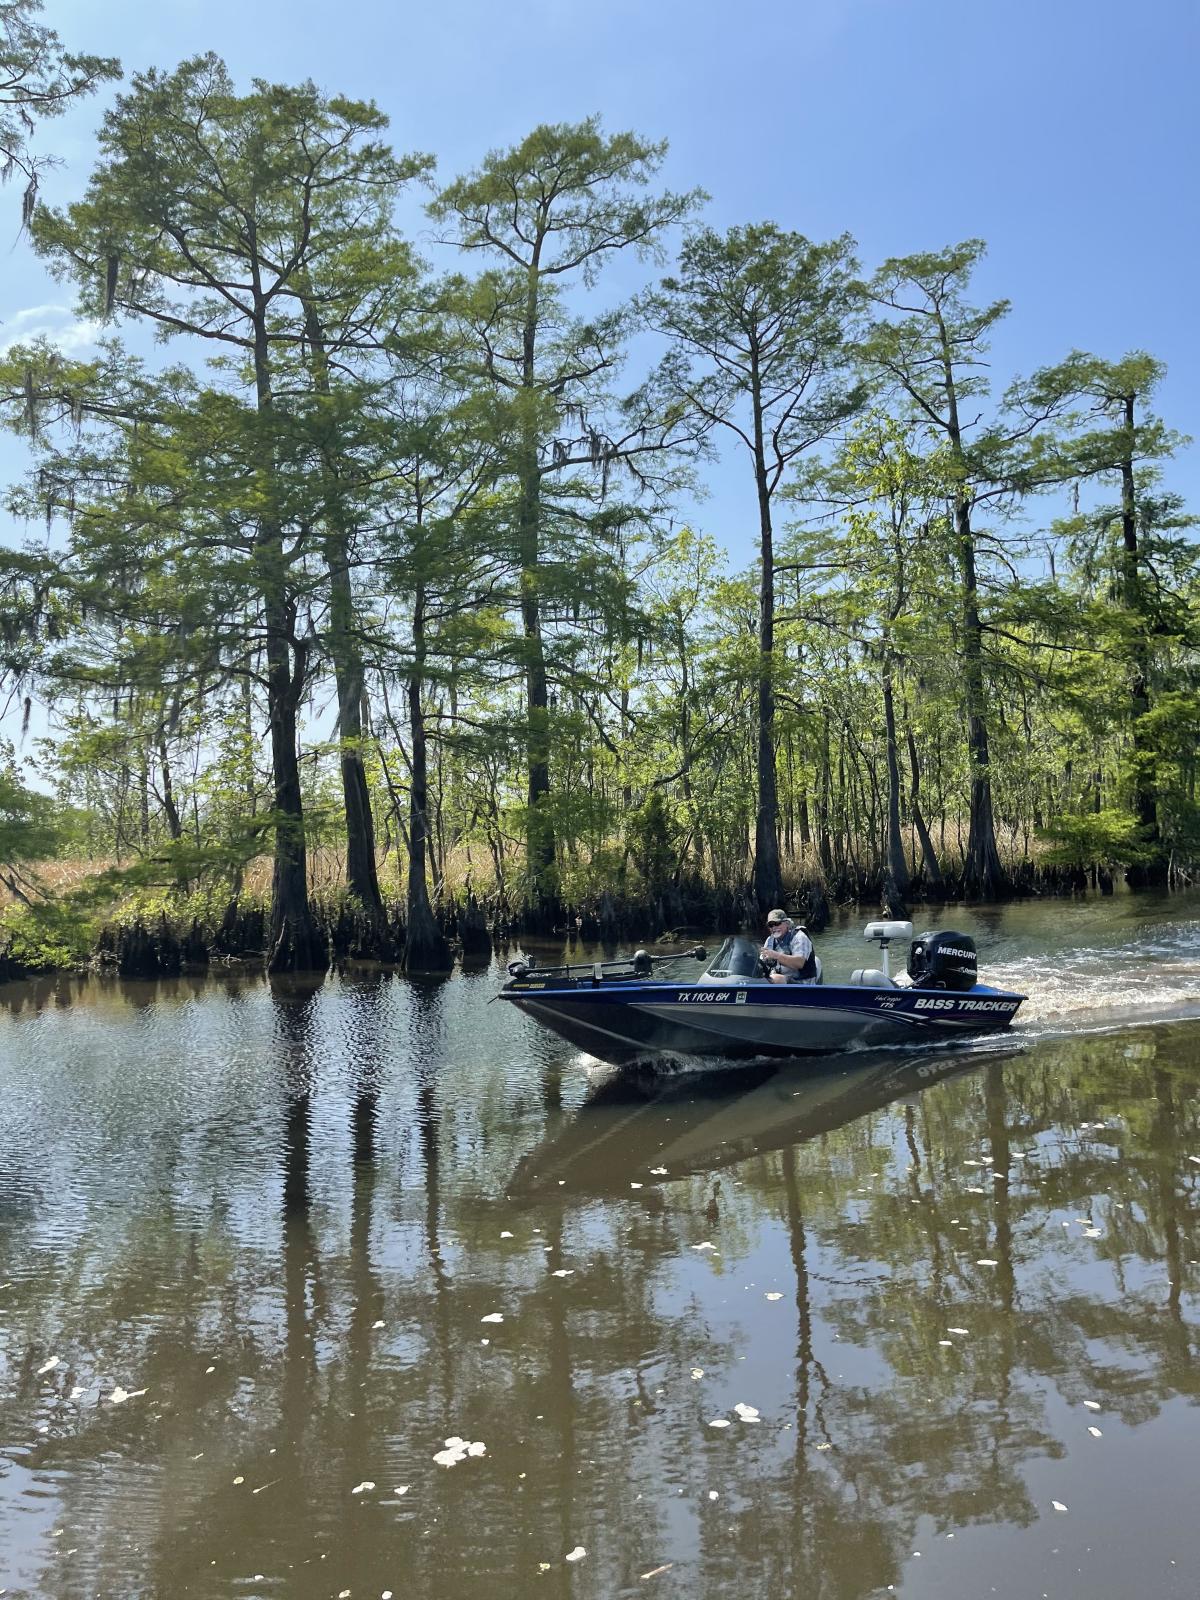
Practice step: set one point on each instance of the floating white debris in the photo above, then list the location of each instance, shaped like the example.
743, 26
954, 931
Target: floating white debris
989, 1161
713, 1495
1058, 1505
974, 1189
563, 1272
747, 1413
658, 1172
697, 1372
47, 1366
493, 1316
706, 1245
239, 1479
575, 1555
1092, 1405
971, 1163
957, 1330
773, 1294
655, 1571
402, 1488
950, 1342
379, 1324
1095, 1433
361, 1488
719, 1422
504, 1234
119, 1395
986, 1261
1093, 1233
77, 1391
458, 1450
824, 1447
635, 1186
1196, 1159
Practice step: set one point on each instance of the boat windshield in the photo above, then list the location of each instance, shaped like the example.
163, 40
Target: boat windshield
737, 958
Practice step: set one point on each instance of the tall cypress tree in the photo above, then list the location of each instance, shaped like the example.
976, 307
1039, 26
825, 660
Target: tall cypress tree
760, 319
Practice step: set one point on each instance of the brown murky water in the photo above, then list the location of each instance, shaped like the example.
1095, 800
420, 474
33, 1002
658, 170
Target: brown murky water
784, 1332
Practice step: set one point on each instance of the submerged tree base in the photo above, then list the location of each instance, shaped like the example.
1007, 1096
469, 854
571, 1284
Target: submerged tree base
159, 944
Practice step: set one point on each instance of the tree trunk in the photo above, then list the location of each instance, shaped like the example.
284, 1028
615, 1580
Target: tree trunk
824, 804
983, 875
362, 877
293, 943
425, 946
768, 884
170, 809
543, 889
897, 865
931, 866
1144, 785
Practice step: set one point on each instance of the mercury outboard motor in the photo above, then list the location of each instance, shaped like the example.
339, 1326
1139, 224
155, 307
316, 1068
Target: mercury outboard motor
943, 960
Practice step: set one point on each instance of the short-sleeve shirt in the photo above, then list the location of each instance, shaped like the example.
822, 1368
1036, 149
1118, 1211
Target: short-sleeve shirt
793, 943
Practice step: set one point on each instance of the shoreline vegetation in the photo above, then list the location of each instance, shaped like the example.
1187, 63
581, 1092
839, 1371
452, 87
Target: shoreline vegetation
153, 935
383, 560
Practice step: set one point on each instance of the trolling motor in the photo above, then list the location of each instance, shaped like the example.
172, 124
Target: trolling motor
639, 965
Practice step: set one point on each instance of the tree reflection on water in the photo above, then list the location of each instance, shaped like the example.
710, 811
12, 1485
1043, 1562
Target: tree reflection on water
308, 1192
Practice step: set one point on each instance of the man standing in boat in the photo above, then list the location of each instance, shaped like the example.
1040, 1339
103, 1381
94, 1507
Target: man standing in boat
788, 951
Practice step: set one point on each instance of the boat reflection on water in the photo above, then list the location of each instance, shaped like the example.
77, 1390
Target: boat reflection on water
646, 1127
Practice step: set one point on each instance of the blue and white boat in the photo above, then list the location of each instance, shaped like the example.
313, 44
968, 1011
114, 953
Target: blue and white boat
623, 1011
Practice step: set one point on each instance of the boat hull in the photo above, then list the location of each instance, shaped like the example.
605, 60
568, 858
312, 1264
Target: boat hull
623, 1022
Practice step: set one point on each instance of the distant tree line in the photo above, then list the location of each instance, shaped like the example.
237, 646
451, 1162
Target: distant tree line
389, 561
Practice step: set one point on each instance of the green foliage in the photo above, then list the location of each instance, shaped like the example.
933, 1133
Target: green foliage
46, 937
29, 824
653, 838
40, 80
1101, 838
426, 530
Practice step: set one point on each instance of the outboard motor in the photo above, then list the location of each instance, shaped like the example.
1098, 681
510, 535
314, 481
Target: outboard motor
944, 960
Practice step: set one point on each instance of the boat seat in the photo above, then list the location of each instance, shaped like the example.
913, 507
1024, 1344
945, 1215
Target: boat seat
871, 978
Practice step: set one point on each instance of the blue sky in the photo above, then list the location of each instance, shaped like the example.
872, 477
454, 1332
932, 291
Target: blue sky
1062, 132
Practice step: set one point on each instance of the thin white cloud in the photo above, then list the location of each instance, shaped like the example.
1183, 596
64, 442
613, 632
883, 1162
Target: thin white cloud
65, 331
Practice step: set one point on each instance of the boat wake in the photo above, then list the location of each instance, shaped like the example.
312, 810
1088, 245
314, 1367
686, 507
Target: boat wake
1091, 989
